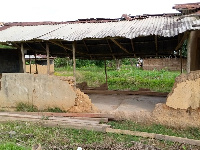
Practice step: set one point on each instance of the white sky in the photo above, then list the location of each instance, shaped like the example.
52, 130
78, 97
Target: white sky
69, 10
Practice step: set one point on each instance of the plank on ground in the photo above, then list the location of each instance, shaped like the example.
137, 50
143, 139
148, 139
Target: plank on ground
155, 136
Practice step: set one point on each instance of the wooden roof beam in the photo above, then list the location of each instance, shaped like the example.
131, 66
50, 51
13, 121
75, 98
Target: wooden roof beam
110, 48
185, 36
87, 48
61, 45
120, 46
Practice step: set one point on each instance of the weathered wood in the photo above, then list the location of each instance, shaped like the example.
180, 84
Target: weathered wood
51, 114
61, 45
56, 121
74, 62
36, 63
110, 92
185, 36
155, 136
189, 52
30, 63
48, 61
23, 58
120, 46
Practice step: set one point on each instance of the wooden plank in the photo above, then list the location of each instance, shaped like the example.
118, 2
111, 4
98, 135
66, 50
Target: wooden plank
75, 126
50, 114
155, 136
36, 63
104, 120
110, 92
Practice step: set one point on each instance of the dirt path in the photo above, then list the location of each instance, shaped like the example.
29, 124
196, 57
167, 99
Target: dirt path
134, 107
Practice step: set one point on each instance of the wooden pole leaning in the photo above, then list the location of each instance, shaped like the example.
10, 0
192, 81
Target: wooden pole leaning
48, 61
36, 63
23, 58
74, 62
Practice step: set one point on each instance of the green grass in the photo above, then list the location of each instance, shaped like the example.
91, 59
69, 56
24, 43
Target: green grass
28, 133
12, 146
128, 78
27, 107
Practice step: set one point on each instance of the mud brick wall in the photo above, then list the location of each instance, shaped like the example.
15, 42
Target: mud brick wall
164, 63
9, 61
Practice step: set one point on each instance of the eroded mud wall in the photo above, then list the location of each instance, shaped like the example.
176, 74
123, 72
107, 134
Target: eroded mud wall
186, 92
41, 90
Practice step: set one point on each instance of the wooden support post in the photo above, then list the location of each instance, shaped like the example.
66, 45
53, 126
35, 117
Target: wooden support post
156, 45
181, 60
48, 61
36, 64
106, 72
189, 53
74, 62
185, 36
23, 58
30, 63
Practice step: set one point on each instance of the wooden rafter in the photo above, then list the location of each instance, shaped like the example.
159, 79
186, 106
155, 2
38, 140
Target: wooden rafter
87, 48
61, 45
185, 36
110, 48
120, 46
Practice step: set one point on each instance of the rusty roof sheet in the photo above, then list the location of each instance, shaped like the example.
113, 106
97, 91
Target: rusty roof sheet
153, 25
188, 6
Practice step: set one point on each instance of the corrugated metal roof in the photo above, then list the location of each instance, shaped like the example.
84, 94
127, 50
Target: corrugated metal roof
25, 33
154, 25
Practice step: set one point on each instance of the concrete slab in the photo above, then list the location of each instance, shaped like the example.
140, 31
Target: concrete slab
133, 107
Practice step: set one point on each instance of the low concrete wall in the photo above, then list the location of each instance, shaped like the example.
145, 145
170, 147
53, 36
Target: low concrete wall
42, 91
164, 63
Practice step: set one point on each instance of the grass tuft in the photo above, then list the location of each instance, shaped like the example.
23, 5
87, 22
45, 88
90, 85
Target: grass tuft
26, 107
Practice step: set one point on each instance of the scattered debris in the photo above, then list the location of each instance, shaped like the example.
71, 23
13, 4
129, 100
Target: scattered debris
83, 104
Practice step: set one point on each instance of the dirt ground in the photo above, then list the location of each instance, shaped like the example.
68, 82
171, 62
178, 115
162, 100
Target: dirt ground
134, 107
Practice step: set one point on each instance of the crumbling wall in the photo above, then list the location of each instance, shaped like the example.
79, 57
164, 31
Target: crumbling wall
42, 91
164, 63
179, 118
186, 92
9, 61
